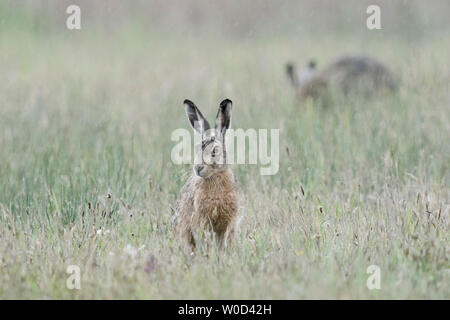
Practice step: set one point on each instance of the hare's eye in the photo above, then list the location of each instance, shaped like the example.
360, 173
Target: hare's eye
215, 150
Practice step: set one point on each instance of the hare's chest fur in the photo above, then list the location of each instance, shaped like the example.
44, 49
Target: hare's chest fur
215, 201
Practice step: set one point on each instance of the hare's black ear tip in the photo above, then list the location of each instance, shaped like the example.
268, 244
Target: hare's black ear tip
289, 66
188, 102
226, 102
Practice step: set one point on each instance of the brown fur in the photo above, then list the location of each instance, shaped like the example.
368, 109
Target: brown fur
209, 204
315, 89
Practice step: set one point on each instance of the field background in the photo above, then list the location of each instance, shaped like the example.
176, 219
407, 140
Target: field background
85, 171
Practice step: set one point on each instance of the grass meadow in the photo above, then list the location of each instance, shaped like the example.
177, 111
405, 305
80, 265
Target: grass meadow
86, 176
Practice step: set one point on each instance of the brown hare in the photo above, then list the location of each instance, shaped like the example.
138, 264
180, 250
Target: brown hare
348, 75
208, 202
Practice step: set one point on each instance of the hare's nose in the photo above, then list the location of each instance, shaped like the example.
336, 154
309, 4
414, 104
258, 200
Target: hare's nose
198, 169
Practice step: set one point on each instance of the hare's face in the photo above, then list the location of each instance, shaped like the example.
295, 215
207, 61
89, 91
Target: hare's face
311, 83
307, 82
210, 155
307, 75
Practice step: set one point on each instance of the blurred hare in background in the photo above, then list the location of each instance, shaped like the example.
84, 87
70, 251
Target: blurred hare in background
348, 75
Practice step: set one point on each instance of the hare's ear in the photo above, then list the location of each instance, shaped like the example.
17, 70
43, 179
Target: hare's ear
223, 119
312, 64
196, 119
292, 73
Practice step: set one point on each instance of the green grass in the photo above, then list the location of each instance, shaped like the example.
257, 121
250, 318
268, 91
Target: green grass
85, 125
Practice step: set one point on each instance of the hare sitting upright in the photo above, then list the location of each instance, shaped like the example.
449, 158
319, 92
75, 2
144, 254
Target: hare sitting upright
208, 202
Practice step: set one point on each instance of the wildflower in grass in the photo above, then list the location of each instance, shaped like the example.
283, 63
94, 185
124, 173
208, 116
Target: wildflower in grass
102, 232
